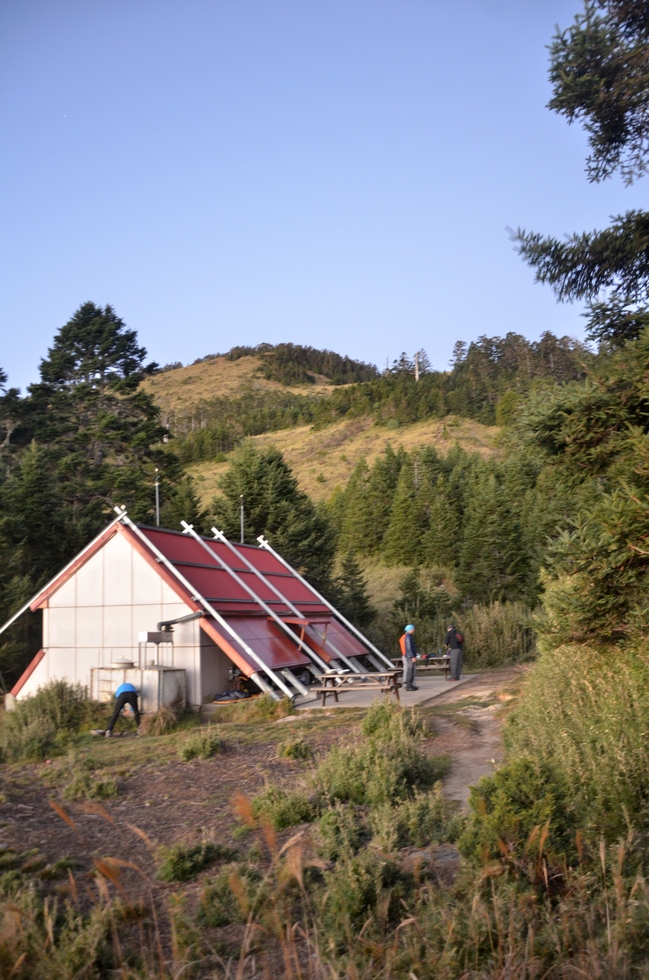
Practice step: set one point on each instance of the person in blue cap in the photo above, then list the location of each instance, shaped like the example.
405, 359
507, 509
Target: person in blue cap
125, 694
409, 654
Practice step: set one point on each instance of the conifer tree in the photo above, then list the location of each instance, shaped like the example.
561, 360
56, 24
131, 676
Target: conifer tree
356, 526
349, 593
441, 543
275, 507
491, 555
402, 543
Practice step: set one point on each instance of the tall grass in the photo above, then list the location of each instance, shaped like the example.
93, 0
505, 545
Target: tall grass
585, 716
497, 634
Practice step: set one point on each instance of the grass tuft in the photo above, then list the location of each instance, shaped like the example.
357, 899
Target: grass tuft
182, 862
201, 745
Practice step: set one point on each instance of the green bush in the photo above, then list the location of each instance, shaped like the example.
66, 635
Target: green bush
385, 767
85, 786
295, 748
340, 832
230, 897
282, 808
203, 745
43, 723
260, 708
182, 862
365, 886
520, 798
427, 818
497, 634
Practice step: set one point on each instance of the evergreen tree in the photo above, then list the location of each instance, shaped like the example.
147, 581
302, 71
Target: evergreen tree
349, 593
491, 555
357, 525
599, 75
402, 543
441, 543
276, 508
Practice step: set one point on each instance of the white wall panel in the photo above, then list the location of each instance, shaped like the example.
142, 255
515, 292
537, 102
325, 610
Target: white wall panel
118, 584
61, 627
66, 595
145, 618
118, 627
86, 659
89, 626
147, 584
90, 581
168, 594
62, 665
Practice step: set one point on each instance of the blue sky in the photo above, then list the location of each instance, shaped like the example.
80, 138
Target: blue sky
338, 173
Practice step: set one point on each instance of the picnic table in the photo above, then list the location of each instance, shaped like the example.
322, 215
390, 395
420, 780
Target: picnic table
384, 681
433, 663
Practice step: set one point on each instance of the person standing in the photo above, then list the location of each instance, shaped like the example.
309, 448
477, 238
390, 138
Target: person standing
453, 642
409, 654
125, 694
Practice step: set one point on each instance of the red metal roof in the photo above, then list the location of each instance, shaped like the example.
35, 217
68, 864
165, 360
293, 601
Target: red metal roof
242, 611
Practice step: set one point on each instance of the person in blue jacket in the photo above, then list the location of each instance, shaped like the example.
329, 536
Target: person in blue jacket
125, 694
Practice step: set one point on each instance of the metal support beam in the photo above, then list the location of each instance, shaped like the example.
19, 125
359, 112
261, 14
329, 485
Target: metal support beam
125, 519
264, 544
220, 536
292, 679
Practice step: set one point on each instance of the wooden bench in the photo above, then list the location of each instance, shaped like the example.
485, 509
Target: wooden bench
428, 663
384, 681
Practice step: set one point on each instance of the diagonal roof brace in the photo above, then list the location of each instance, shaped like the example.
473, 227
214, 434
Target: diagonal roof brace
220, 536
263, 543
189, 529
296, 612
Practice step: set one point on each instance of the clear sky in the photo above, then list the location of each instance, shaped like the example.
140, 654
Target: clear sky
338, 173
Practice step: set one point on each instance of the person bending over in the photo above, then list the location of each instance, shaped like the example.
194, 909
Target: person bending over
409, 653
125, 694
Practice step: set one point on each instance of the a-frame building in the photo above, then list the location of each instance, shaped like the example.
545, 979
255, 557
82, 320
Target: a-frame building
243, 607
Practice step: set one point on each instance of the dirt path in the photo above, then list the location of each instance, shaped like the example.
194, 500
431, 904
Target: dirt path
470, 732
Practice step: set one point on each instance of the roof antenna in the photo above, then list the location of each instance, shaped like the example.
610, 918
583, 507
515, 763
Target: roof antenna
241, 503
157, 498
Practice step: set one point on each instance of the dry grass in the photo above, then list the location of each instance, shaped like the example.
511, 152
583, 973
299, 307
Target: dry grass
324, 459
220, 378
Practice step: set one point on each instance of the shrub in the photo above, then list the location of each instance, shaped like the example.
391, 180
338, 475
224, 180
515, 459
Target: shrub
497, 634
43, 723
366, 886
583, 715
282, 808
201, 745
340, 832
182, 862
427, 818
161, 722
509, 806
260, 708
384, 768
295, 748
386, 718
85, 786
230, 897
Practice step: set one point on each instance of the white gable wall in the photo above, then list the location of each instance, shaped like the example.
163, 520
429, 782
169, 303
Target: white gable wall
96, 615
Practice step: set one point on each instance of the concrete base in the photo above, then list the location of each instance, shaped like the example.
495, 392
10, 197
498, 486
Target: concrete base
429, 687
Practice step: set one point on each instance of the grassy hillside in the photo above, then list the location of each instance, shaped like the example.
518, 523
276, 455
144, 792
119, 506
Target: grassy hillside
324, 459
185, 388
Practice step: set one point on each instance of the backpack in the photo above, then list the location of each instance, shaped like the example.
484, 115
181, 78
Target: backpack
459, 637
